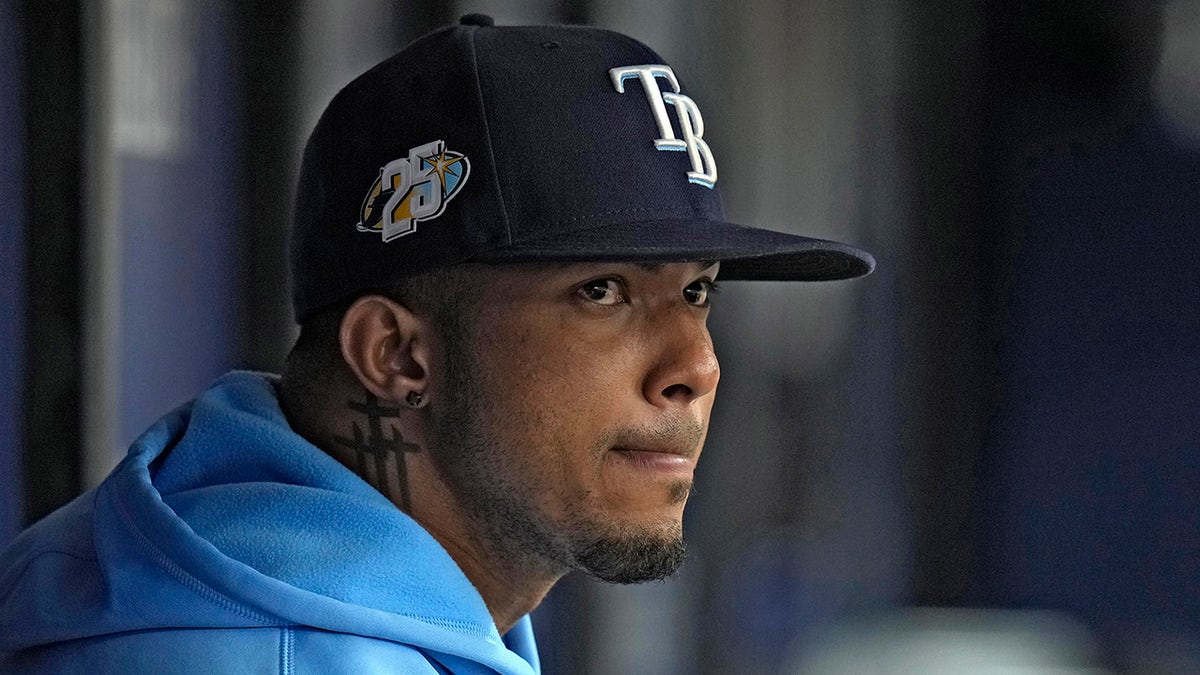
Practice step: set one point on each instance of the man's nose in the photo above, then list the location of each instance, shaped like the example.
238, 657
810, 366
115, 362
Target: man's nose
687, 367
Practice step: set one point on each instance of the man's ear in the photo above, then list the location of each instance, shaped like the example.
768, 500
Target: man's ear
387, 347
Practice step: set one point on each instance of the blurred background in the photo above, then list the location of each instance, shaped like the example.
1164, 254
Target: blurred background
983, 458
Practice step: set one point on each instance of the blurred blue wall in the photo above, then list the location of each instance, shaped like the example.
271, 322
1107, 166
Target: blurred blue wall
1091, 473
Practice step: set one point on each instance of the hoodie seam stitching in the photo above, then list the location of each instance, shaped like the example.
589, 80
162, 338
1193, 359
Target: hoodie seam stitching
287, 651
199, 587
186, 579
462, 626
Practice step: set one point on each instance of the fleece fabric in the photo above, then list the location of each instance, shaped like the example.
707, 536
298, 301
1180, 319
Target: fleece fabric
224, 542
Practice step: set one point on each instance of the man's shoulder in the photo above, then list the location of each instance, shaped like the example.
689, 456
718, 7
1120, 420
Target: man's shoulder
58, 547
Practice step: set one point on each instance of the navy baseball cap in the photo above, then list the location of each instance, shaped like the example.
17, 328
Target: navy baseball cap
505, 144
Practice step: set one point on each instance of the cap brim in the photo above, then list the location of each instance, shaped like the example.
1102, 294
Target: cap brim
745, 253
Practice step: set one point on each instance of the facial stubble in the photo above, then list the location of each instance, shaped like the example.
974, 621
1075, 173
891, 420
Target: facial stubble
503, 507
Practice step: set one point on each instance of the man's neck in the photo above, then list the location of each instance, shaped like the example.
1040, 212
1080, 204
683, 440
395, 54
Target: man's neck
510, 583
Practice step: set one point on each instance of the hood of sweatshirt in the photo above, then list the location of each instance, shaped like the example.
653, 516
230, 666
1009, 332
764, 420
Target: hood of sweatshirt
222, 516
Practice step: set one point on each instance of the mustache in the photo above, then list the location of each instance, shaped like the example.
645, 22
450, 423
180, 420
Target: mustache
679, 435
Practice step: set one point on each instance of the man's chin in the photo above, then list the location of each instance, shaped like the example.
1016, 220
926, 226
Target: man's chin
630, 558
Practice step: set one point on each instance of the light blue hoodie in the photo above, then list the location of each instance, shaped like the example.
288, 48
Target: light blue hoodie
224, 542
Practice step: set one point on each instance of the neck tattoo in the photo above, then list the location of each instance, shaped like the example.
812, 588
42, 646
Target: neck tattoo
388, 451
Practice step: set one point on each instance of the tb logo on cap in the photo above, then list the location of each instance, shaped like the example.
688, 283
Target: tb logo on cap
704, 168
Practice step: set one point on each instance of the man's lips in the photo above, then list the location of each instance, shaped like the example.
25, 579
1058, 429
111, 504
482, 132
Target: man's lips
659, 461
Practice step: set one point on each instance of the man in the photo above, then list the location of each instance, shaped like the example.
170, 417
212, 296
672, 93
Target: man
505, 245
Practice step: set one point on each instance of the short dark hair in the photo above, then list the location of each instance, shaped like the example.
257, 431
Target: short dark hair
438, 295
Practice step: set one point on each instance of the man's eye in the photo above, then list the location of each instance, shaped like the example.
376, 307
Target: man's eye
699, 293
602, 292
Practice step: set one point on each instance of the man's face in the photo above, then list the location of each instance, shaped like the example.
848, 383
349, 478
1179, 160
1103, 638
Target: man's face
576, 402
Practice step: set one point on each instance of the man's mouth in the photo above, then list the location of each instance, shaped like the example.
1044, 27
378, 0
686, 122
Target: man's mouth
669, 450
658, 461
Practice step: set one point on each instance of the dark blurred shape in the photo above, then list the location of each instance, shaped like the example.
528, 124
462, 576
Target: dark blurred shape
52, 87
269, 44
945, 272
1091, 50
12, 273
1091, 63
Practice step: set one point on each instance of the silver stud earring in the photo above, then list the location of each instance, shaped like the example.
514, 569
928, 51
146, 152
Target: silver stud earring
414, 399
